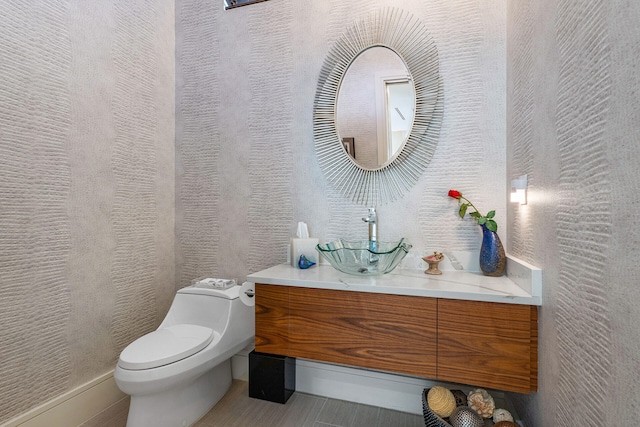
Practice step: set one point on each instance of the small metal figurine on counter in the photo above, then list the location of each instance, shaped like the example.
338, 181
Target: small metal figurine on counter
433, 261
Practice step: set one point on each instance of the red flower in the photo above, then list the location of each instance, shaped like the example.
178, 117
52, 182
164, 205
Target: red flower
455, 194
486, 220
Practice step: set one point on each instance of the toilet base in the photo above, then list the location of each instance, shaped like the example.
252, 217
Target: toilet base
181, 407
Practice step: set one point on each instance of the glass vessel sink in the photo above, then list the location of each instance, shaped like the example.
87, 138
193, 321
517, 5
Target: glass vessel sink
362, 257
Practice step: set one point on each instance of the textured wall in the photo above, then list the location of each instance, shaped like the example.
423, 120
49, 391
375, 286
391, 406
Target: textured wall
86, 188
572, 126
247, 171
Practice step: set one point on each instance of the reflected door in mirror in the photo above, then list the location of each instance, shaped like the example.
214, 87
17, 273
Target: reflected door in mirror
395, 112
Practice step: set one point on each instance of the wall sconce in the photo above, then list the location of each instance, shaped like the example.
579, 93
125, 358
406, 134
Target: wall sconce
519, 190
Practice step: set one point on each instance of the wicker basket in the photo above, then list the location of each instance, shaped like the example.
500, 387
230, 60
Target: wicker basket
431, 419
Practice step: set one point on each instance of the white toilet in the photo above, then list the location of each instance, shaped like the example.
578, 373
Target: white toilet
177, 373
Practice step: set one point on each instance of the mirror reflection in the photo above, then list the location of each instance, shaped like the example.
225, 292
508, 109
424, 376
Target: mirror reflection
375, 107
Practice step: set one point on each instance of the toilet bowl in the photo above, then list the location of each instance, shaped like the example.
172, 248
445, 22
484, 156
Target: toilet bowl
178, 372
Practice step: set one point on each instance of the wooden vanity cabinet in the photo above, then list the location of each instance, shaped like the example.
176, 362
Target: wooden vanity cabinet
491, 345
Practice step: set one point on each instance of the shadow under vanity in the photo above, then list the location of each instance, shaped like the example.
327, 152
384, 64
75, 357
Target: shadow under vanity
461, 327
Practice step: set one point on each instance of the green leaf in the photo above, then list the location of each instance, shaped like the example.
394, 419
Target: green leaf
492, 225
482, 220
463, 210
475, 215
491, 214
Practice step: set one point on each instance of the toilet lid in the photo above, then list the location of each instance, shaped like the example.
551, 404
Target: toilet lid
164, 346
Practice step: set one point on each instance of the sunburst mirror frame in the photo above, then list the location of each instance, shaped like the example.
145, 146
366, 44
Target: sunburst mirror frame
405, 35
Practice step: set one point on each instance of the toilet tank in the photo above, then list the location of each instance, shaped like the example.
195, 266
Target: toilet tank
202, 306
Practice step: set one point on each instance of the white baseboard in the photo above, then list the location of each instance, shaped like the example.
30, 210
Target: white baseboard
74, 407
240, 364
385, 390
361, 386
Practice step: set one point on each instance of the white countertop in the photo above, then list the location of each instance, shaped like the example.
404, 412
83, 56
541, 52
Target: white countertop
522, 284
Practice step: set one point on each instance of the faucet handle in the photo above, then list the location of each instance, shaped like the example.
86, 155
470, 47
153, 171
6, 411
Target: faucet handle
371, 217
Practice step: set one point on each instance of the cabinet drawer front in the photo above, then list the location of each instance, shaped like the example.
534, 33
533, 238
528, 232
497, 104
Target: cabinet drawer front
487, 344
378, 331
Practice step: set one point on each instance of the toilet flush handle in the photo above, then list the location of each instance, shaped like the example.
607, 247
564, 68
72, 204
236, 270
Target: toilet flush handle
250, 293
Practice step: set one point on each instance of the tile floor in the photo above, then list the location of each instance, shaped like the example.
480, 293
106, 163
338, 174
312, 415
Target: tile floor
237, 409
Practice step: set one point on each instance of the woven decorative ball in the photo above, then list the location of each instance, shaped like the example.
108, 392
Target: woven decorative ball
481, 401
502, 415
431, 419
461, 398
506, 424
441, 401
463, 416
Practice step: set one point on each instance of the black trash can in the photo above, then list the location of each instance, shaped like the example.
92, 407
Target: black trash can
271, 377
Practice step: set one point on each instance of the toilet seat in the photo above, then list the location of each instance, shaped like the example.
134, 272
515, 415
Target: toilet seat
164, 346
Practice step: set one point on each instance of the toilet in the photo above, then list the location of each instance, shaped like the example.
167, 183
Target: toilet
178, 372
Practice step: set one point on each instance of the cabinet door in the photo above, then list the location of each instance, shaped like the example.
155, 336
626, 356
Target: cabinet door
488, 344
386, 332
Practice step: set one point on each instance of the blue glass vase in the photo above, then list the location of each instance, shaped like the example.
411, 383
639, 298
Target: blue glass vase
492, 256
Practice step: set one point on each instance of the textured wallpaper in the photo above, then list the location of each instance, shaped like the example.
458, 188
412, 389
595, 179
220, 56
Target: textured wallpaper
573, 129
35, 120
86, 189
520, 116
250, 73
134, 167
583, 217
269, 120
470, 156
198, 142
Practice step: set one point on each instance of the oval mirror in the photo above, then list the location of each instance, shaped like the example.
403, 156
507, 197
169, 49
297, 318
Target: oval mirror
375, 107
340, 152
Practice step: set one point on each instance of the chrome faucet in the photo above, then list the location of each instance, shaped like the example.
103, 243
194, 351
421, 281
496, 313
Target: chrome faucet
372, 220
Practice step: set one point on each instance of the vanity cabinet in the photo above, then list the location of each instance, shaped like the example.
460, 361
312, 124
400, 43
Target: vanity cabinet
484, 344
